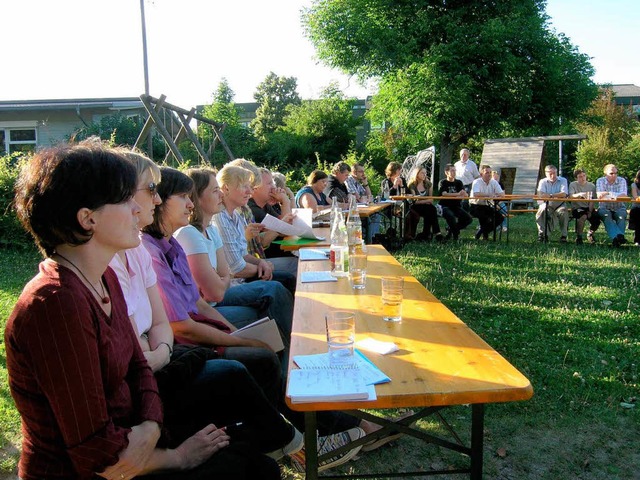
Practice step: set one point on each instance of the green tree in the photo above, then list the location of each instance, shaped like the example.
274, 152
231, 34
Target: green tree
613, 136
456, 70
119, 129
222, 109
273, 95
327, 123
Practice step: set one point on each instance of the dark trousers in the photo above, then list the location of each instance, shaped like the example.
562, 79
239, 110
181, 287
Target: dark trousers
488, 217
428, 213
224, 393
634, 223
238, 461
456, 218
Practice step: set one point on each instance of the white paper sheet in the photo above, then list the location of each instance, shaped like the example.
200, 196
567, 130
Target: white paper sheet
297, 227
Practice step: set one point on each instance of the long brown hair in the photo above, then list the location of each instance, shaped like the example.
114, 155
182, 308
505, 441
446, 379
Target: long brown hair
201, 178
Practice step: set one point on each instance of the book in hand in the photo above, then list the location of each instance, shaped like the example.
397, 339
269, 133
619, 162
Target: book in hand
311, 385
264, 330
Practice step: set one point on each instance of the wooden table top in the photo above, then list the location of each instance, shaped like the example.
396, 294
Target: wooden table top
440, 361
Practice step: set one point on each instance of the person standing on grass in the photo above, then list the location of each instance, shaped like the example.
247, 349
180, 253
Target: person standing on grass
467, 172
583, 211
456, 217
613, 214
552, 214
482, 190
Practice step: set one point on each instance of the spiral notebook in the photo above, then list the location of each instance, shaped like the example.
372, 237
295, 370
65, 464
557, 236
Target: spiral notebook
319, 385
367, 371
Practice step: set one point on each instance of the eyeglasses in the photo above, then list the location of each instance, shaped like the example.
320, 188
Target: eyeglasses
152, 188
612, 173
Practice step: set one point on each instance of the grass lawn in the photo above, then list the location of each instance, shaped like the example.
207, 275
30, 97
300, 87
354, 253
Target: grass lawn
566, 316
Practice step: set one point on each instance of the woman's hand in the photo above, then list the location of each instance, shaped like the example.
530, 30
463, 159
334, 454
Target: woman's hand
158, 358
196, 450
142, 441
265, 270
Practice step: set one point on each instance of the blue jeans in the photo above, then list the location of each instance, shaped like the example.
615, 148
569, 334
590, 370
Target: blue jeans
265, 299
373, 226
615, 221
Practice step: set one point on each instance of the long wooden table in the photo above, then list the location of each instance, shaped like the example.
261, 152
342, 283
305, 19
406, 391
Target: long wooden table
441, 362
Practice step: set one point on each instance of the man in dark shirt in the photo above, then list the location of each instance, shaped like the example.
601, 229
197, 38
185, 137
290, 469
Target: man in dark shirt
267, 198
453, 213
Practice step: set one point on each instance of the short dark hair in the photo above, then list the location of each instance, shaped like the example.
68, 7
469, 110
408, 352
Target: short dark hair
173, 182
578, 171
59, 181
341, 167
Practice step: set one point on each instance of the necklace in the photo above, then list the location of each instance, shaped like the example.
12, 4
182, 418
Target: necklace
104, 298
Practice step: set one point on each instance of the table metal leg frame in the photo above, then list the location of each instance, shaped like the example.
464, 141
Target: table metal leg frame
475, 452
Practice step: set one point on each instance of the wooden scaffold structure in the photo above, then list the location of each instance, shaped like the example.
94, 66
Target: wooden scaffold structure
158, 108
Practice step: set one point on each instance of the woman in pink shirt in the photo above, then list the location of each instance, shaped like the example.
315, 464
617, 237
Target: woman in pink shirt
87, 397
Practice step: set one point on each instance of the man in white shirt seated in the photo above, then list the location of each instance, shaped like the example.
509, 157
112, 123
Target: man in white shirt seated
552, 213
613, 214
482, 190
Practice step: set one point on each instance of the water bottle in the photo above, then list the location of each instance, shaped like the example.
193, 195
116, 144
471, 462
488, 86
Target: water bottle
354, 223
339, 253
385, 191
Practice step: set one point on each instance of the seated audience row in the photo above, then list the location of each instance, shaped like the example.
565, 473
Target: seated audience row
183, 296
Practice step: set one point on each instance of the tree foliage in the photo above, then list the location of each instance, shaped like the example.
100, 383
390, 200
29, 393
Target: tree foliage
223, 109
613, 136
119, 129
452, 71
273, 95
327, 123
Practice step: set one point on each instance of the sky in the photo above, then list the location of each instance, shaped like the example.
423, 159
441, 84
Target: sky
93, 48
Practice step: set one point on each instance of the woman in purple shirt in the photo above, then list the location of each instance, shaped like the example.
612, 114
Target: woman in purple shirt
192, 319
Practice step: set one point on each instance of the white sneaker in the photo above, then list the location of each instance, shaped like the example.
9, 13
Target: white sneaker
328, 444
504, 229
294, 446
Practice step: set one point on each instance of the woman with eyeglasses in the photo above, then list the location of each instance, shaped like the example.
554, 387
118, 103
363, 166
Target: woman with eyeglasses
240, 302
86, 395
196, 388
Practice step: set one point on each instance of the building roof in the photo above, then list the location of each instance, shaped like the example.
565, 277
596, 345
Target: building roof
119, 103
626, 90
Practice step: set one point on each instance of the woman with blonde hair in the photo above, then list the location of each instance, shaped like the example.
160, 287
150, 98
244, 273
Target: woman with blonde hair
419, 185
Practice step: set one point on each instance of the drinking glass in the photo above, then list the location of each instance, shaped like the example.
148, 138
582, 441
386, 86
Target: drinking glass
392, 294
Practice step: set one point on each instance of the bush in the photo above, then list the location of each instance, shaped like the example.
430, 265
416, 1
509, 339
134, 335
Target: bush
12, 235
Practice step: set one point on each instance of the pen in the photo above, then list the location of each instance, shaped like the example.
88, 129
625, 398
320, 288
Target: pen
238, 424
